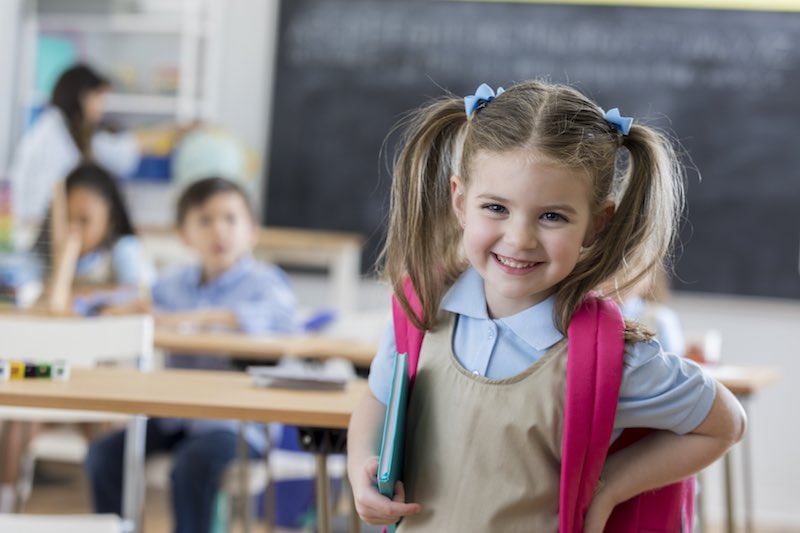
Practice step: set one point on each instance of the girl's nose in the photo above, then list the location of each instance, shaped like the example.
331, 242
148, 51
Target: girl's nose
521, 235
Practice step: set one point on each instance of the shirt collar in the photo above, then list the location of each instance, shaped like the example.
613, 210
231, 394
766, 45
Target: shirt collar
234, 273
534, 325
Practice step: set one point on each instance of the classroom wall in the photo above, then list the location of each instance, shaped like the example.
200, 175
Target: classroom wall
245, 90
759, 331
9, 15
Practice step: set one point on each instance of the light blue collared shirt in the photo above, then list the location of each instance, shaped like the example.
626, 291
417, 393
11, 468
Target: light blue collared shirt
124, 263
262, 300
658, 390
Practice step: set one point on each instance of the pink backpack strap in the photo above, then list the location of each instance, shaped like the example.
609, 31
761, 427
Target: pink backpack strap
594, 372
407, 337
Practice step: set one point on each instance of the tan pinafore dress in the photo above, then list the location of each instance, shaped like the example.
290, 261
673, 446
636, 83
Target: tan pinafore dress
483, 454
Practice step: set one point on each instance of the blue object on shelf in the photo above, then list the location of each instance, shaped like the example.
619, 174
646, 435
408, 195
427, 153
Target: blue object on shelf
153, 168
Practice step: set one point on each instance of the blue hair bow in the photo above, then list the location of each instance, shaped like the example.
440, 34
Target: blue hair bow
483, 95
620, 123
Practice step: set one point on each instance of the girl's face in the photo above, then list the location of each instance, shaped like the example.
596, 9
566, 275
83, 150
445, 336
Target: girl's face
89, 214
221, 231
525, 220
94, 105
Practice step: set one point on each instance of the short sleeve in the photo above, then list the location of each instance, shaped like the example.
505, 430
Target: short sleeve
380, 371
662, 391
271, 307
129, 263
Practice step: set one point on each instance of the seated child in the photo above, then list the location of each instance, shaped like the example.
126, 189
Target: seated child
230, 289
110, 251
110, 254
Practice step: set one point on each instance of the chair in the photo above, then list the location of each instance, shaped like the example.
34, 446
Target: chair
82, 342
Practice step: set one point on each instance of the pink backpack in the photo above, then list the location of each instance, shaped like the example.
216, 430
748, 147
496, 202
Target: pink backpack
594, 373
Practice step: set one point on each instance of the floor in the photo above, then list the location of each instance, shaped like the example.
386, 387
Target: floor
61, 489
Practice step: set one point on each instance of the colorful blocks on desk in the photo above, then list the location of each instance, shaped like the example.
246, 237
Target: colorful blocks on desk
15, 370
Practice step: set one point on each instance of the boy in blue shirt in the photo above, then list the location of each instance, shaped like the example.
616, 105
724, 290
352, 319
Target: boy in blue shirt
228, 289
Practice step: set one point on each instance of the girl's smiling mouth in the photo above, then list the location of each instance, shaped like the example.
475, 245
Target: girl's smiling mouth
513, 265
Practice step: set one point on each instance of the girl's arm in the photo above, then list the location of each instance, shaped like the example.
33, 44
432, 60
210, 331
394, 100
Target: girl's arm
362, 467
665, 457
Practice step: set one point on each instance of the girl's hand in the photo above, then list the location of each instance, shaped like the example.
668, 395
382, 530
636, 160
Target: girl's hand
375, 508
599, 511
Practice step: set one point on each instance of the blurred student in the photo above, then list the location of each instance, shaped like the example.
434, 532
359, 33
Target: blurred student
110, 251
65, 134
646, 304
228, 288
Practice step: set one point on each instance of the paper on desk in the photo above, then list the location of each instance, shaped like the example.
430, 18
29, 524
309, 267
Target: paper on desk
332, 374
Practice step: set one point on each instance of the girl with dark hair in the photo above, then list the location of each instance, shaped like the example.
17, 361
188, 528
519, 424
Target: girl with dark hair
65, 135
110, 251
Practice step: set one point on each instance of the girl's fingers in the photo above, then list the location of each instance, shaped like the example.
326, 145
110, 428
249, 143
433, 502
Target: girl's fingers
400, 497
377, 509
372, 468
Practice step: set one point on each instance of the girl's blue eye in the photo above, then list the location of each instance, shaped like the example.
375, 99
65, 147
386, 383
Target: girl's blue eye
553, 217
495, 208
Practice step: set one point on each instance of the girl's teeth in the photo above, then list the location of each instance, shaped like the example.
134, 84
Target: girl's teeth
513, 264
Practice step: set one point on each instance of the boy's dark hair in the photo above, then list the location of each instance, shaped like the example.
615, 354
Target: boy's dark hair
200, 191
67, 96
98, 180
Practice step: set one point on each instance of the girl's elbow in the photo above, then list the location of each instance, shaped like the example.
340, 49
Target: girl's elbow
739, 425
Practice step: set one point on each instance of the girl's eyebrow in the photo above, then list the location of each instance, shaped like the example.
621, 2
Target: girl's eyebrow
492, 198
566, 208
561, 207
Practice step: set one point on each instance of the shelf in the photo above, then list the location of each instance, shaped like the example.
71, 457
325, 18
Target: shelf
141, 103
120, 23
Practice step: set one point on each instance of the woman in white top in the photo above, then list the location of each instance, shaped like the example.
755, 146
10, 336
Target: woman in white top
64, 135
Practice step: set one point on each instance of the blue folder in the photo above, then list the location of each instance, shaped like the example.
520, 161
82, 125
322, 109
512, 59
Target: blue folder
390, 464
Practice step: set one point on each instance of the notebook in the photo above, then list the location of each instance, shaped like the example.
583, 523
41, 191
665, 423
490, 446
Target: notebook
390, 463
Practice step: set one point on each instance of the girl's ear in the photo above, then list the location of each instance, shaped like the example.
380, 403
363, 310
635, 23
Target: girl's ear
599, 222
458, 197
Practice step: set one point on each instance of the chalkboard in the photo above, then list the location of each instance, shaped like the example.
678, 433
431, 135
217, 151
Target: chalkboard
725, 83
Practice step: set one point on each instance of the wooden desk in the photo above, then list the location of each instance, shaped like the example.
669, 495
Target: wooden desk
265, 347
180, 393
744, 382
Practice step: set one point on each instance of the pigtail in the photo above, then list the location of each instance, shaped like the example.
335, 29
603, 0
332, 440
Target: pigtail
423, 240
639, 236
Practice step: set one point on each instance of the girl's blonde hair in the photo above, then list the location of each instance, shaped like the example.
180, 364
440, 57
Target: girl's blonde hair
554, 121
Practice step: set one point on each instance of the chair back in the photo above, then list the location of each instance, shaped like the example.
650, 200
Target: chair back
82, 342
